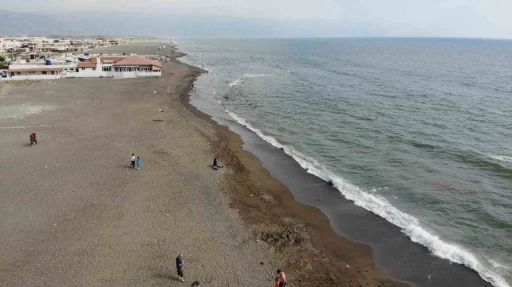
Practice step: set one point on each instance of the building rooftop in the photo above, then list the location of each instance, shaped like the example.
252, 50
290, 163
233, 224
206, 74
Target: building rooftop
86, 65
138, 61
114, 59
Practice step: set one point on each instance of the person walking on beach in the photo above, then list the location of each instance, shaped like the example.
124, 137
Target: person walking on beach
138, 162
133, 160
179, 267
281, 280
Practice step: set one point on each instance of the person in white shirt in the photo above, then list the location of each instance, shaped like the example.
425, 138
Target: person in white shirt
133, 160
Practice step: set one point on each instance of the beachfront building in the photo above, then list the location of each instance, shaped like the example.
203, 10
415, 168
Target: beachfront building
34, 73
119, 67
122, 67
139, 65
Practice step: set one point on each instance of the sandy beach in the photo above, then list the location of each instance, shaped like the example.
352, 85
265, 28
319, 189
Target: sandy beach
73, 212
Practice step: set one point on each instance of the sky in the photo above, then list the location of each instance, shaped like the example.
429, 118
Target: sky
395, 18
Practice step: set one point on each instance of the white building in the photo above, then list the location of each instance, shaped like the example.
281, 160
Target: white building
121, 67
39, 73
7, 44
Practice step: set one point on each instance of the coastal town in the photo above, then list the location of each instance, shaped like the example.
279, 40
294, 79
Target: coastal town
41, 58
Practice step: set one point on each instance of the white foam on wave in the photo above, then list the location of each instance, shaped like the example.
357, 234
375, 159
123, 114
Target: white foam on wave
496, 264
502, 158
239, 81
190, 61
254, 75
380, 206
236, 82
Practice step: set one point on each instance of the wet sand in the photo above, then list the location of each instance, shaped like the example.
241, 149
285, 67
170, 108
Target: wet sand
73, 213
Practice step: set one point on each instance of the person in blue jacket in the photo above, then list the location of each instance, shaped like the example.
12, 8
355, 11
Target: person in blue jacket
138, 162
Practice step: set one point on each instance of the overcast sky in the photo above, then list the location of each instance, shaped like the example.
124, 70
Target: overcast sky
445, 18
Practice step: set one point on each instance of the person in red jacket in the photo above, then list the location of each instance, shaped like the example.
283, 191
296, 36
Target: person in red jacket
33, 139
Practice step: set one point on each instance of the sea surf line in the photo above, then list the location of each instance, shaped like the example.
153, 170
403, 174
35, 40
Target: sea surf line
381, 207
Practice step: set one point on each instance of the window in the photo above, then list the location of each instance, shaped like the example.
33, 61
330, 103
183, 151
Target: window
106, 69
18, 73
45, 72
94, 69
83, 69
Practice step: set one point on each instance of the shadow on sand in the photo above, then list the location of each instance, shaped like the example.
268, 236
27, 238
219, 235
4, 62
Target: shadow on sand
164, 274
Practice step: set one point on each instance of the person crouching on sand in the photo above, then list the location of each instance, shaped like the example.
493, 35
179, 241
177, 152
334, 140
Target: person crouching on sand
179, 267
133, 160
216, 165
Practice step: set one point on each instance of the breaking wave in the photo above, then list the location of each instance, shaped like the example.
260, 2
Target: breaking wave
381, 207
239, 81
502, 158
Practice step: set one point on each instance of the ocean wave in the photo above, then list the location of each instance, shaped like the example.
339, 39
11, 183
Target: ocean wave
497, 164
381, 207
239, 81
236, 82
254, 75
498, 265
503, 158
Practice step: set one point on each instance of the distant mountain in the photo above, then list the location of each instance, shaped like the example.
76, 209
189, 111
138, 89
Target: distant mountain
129, 24
125, 24
138, 24
16, 23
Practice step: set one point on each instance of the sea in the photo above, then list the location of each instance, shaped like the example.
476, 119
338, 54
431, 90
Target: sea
412, 135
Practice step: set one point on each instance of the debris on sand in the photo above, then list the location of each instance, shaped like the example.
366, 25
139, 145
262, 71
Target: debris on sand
284, 235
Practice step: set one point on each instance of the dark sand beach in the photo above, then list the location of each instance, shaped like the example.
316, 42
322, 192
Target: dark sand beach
73, 213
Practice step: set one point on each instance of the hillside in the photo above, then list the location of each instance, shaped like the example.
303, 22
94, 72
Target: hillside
15, 23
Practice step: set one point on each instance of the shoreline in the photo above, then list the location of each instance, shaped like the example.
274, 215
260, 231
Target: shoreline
271, 213
395, 254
